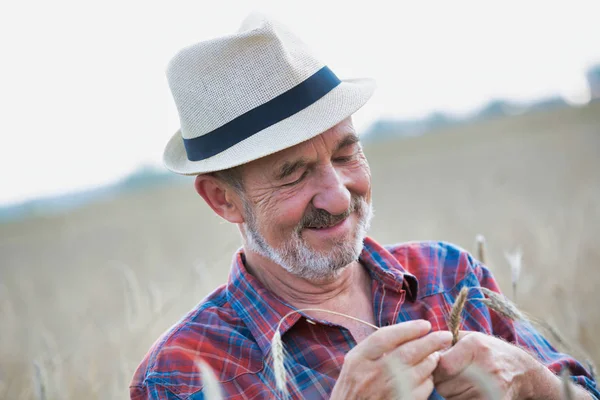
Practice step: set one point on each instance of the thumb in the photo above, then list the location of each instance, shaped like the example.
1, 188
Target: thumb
387, 339
456, 359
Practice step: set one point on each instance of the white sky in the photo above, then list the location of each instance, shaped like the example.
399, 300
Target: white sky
84, 98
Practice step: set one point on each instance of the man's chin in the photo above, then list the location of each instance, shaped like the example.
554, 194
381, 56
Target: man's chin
324, 272
325, 246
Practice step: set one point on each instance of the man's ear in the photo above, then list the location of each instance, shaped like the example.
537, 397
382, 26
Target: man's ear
221, 198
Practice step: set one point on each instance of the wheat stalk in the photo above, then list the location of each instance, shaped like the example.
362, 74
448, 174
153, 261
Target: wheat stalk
278, 350
455, 313
211, 387
567, 388
515, 260
565, 345
481, 252
592, 368
39, 381
328, 312
506, 308
501, 305
554, 332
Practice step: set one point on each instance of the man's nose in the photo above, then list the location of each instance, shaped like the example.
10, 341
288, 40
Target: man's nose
333, 196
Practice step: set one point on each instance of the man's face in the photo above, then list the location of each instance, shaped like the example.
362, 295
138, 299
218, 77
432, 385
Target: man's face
308, 207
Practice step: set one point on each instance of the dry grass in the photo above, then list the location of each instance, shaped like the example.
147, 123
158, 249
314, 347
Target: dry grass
480, 243
515, 260
86, 294
507, 309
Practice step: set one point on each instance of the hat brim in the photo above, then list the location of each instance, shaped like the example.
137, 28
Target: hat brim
340, 103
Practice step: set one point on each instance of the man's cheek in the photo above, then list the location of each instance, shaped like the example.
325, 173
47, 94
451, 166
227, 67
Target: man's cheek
281, 224
359, 177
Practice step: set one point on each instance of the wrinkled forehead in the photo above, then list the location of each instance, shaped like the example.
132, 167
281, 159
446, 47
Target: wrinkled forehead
324, 144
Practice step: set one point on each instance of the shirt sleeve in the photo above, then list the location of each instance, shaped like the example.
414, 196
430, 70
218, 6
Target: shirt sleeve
526, 336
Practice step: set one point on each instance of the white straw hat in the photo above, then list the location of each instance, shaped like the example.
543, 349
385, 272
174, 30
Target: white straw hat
250, 94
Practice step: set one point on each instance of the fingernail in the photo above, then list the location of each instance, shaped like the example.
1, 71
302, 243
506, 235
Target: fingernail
421, 323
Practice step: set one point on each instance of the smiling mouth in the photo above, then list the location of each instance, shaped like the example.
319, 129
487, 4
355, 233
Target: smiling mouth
320, 227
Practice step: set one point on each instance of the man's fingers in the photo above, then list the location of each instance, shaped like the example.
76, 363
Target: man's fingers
424, 390
454, 360
415, 374
387, 339
455, 387
417, 350
425, 368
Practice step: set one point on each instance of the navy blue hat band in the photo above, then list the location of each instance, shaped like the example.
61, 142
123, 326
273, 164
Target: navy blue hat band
279, 108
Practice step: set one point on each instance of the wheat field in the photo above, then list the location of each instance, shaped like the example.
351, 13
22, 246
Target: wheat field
83, 295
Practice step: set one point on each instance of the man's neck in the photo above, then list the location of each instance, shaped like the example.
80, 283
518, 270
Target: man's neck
349, 292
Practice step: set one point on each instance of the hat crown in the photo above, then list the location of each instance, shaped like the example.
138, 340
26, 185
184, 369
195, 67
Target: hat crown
215, 81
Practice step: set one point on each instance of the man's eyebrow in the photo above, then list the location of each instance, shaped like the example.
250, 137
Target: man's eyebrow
347, 140
289, 167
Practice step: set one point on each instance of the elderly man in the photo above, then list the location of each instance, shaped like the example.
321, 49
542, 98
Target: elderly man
267, 129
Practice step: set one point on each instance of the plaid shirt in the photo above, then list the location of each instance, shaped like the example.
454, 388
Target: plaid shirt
232, 328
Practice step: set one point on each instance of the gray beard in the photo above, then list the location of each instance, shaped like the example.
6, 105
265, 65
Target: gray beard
296, 257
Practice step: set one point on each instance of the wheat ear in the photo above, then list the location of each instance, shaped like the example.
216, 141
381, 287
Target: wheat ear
278, 350
501, 305
567, 388
212, 388
506, 308
455, 313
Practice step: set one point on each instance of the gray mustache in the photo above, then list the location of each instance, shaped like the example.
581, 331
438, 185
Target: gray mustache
319, 217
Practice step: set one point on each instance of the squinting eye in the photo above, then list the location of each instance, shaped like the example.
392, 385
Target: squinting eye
343, 159
297, 180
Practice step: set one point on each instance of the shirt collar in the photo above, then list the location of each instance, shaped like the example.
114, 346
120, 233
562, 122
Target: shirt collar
384, 267
261, 310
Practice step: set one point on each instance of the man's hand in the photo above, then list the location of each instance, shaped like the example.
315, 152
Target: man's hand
366, 375
516, 373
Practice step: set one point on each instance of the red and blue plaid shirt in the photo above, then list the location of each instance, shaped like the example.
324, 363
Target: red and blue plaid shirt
231, 329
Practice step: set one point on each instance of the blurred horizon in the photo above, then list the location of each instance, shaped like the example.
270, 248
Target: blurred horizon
382, 130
